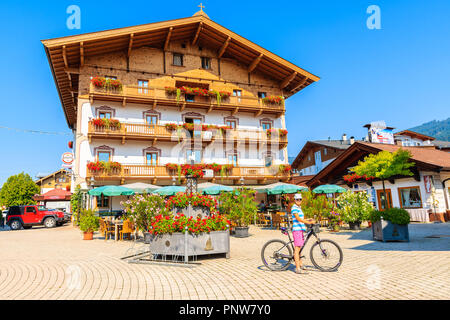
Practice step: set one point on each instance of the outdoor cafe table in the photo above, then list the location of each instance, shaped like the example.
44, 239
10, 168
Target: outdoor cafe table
117, 223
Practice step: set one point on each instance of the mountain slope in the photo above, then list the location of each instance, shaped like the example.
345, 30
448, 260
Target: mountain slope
438, 129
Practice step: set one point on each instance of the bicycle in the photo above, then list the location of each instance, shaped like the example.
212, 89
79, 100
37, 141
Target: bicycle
281, 252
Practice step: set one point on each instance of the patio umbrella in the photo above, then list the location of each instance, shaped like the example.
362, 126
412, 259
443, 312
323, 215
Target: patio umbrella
212, 188
140, 187
169, 190
111, 191
329, 188
280, 188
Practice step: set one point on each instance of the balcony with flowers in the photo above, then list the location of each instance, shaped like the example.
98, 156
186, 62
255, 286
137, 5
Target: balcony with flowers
183, 96
169, 171
208, 133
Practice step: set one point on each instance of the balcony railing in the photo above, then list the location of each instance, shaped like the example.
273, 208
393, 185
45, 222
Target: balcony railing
160, 132
132, 93
161, 172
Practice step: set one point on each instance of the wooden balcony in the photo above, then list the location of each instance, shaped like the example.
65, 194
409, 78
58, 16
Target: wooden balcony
133, 131
158, 173
158, 96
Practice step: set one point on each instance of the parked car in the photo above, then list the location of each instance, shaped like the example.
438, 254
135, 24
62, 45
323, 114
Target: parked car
34, 215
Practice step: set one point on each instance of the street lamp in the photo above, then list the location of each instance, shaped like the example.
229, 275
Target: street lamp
241, 180
173, 181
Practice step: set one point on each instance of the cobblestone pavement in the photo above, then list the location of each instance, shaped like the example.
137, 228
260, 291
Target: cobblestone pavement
56, 264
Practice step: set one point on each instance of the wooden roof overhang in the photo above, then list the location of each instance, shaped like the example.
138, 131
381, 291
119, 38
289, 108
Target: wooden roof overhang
350, 157
310, 145
413, 134
67, 54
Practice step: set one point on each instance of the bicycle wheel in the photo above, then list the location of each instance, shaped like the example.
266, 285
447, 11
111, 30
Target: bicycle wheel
326, 255
276, 255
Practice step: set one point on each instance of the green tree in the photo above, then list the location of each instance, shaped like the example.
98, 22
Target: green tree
385, 165
316, 206
239, 206
18, 190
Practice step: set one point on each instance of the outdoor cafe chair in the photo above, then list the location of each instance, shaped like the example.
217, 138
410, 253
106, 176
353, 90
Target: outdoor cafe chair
127, 228
276, 220
263, 220
108, 229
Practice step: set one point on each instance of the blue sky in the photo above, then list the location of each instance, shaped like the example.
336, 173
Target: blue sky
399, 74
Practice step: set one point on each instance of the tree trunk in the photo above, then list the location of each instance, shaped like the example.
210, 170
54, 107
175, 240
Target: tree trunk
385, 195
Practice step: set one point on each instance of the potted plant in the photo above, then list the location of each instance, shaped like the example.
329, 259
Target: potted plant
354, 207
89, 223
390, 225
240, 207
335, 220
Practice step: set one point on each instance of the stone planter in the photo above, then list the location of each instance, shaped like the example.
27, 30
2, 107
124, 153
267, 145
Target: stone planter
187, 245
355, 225
383, 230
241, 232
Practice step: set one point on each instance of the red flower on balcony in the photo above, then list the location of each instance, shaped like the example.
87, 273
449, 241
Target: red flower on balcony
279, 100
351, 178
99, 82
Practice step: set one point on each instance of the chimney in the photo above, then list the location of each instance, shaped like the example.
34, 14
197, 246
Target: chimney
344, 137
352, 140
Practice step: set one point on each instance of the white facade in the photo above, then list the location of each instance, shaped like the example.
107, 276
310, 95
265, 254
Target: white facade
315, 169
131, 152
440, 193
408, 141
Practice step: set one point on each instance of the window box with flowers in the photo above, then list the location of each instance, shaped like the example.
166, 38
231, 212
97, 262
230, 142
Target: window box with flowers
284, 168
104, 167
101, 124
219, 96
108, 85
281, 132
273, 100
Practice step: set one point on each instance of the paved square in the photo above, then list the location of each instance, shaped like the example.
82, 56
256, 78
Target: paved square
57, 264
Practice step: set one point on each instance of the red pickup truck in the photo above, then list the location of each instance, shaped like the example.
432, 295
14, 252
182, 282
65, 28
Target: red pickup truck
34, 215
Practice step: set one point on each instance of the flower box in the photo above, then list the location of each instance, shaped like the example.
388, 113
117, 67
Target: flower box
383, 230
188, 245
273, 100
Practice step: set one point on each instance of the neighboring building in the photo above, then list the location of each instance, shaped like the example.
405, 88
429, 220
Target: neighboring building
316, 155
409, 138
442, 145
57, 180
144, 66
415, 193
55, 199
